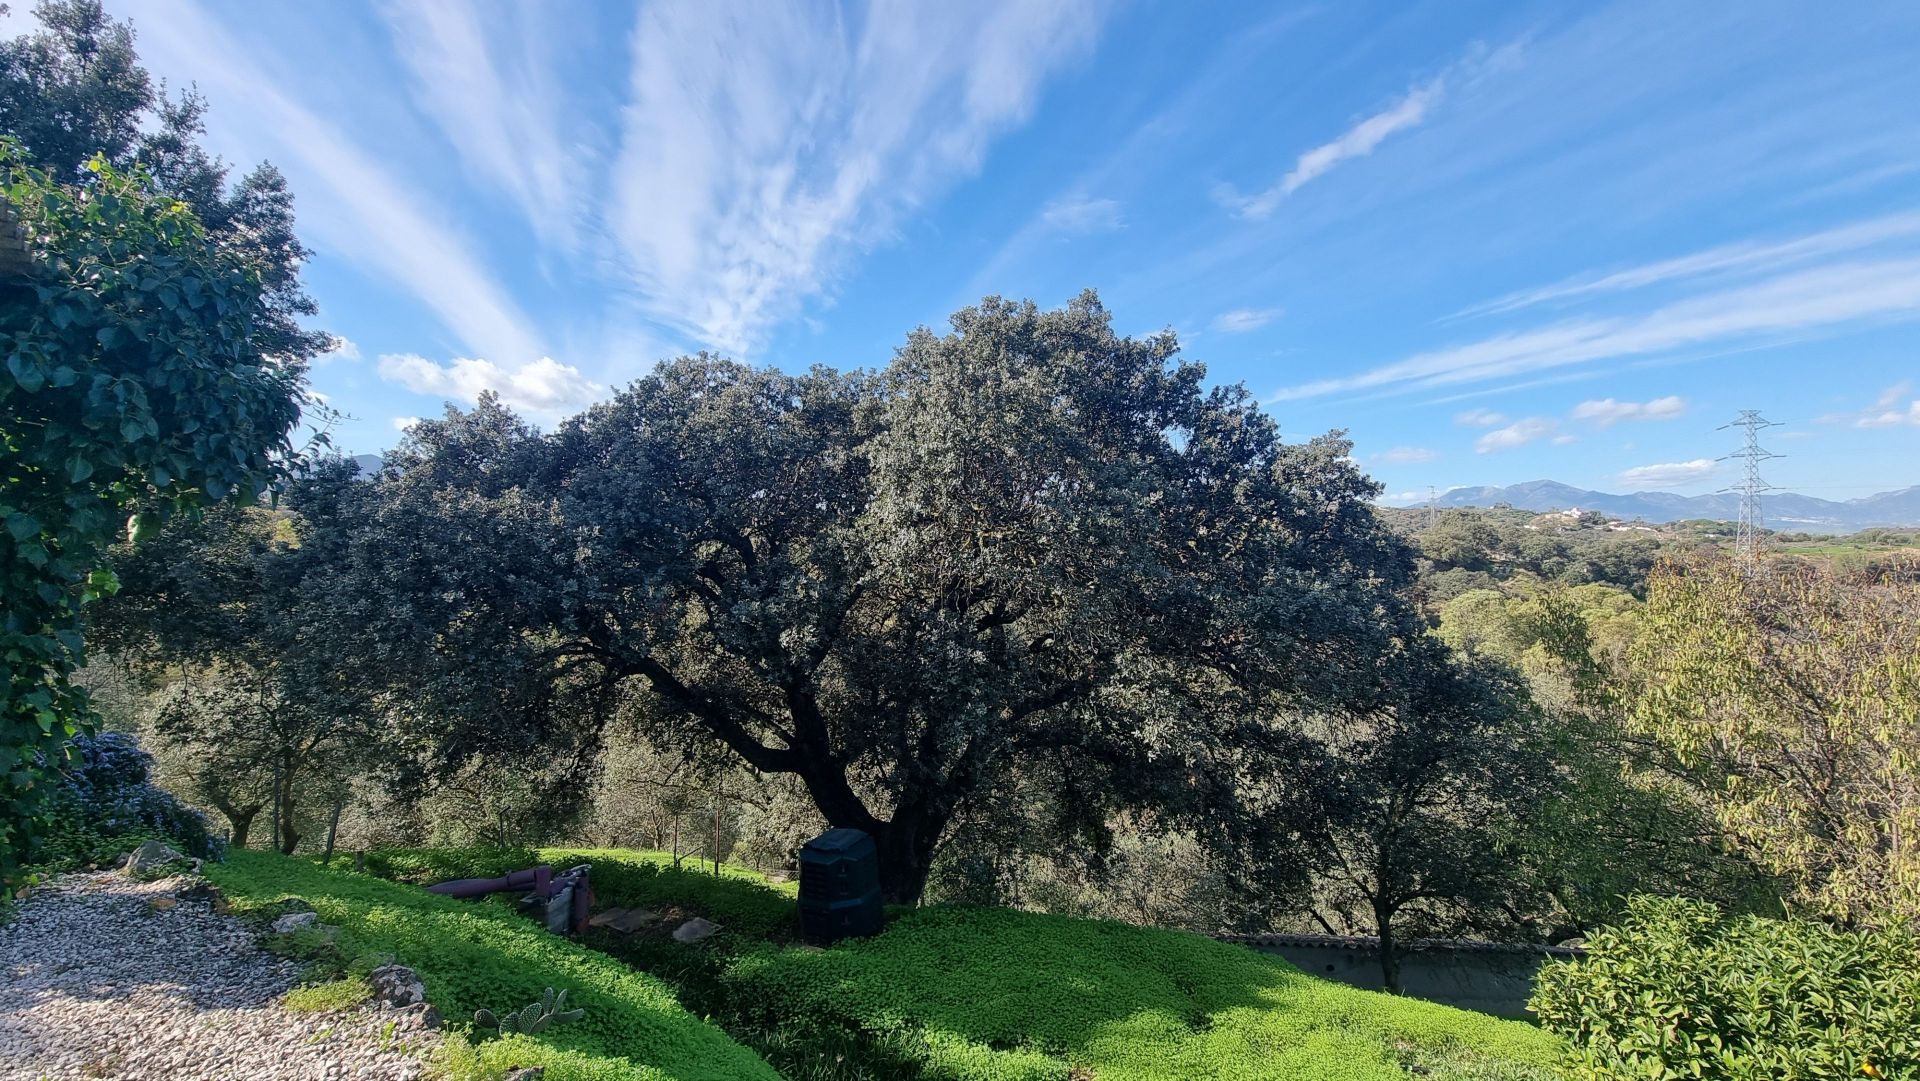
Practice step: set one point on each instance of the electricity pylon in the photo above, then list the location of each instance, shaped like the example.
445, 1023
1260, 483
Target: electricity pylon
1746, 545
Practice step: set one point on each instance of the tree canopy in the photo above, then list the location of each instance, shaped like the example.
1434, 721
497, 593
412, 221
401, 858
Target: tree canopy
1027, 547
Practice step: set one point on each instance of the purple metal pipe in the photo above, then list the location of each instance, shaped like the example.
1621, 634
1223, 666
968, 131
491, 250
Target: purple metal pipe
537, 879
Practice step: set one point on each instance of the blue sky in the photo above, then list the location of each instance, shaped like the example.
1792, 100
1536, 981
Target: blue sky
1494, 241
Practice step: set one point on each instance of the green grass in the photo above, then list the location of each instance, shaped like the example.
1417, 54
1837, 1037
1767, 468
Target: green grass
329, 997
472, 956
975, 994
997, 995
740, 900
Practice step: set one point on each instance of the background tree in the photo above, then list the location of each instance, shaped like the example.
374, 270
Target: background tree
1622, 819
1792, 697
232, 611
74, 89
1426, 797
1030, 542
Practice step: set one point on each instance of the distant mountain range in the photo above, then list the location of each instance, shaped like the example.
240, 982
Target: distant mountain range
1782, 510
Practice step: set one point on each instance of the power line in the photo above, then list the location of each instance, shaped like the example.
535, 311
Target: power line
1747, 542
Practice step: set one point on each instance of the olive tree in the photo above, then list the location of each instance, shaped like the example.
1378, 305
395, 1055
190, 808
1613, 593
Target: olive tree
1029, 543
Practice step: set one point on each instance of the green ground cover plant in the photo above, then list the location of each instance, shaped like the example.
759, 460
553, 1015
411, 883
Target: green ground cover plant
977, 994
480, 956
1677, 990
999, 995
741, 900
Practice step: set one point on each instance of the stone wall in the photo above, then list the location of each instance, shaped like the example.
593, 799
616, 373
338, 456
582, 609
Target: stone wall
1495, 978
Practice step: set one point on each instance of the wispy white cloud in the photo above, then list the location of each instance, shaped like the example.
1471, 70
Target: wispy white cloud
350, 203
762, 146
1402, 499
1518, 434
495, 97
1241, 320
1669, 474
1479, 418
1746, 256
1819, 298
545, 388
1082, 214
1356, 142
1405, 456
1895, 407
1607, 412
401, 424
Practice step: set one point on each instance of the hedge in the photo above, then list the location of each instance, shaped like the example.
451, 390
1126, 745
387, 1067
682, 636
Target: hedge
1680, 991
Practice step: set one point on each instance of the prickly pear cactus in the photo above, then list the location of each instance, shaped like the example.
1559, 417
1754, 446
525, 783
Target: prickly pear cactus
533, 1019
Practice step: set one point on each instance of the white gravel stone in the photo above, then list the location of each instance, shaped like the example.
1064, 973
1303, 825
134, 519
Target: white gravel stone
95, 983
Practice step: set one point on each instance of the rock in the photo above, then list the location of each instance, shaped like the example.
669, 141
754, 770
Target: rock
294, 921
397, 985
420, 1015
162, 904
152, 858
696, 929
526, 1073
625, 920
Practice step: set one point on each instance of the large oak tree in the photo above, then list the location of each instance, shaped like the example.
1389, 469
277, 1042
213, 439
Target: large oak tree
1029, 546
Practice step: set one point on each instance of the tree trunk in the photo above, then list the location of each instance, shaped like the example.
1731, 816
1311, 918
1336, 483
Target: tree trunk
906, 846
289, 836
239, 824
333, 827
1389, 949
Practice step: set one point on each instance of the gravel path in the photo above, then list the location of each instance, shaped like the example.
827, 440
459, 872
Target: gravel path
95, 983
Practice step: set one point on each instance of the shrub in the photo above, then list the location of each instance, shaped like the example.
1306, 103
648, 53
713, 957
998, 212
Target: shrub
1679, 991
476, 956
105, 803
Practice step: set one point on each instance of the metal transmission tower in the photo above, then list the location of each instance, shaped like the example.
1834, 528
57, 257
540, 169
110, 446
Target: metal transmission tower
1747, 544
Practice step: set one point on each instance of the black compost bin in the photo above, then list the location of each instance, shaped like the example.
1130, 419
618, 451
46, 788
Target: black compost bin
840, 887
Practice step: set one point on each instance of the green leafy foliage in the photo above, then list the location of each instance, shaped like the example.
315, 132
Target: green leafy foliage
331, 996
736, 898
1678, 991
472, 955
133, 383
1030, 550
998, 994
1791, 699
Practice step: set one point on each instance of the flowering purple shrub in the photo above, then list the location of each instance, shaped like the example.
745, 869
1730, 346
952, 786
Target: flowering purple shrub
105, 801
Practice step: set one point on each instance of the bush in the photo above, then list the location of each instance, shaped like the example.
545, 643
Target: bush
1679, 991
988, 994
104, 803
480, 956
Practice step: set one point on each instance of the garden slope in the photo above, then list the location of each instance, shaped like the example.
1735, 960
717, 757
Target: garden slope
476, 955
978, 994
1000, 995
